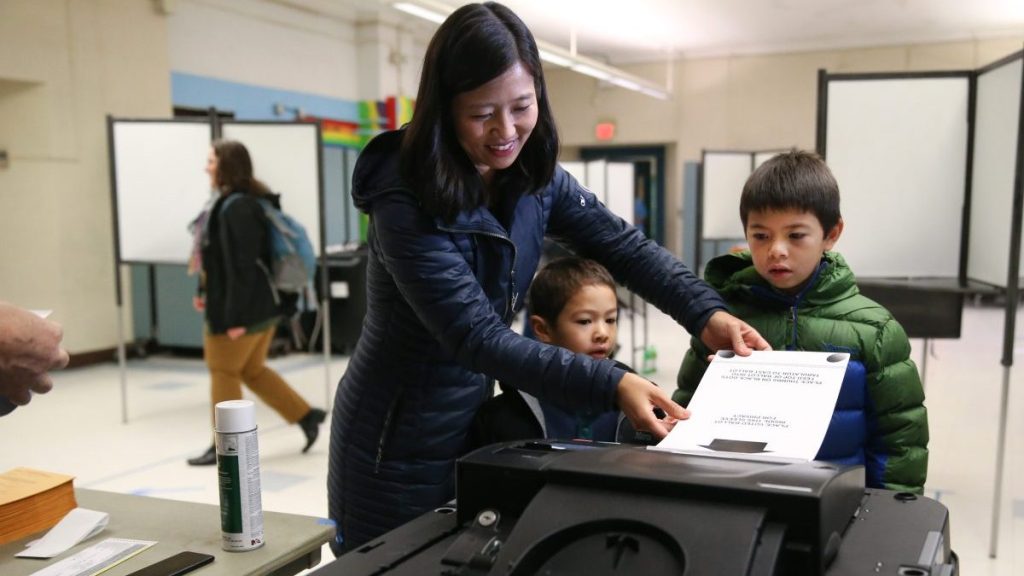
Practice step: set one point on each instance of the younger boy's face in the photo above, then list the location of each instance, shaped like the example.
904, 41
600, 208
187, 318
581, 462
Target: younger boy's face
588, 324
787, 246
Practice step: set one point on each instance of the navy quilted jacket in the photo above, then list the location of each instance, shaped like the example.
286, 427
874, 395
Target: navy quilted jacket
441, 297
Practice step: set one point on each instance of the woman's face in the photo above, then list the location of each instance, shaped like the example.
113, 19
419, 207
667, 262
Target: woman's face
493, 122
211, 168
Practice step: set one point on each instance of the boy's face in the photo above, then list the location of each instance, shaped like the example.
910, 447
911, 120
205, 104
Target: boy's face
588, 324
787, 246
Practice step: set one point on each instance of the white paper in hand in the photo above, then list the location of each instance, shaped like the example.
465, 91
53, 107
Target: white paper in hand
768, 405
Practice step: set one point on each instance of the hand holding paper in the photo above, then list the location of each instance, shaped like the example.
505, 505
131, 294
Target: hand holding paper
29, 349
637, 396
724, 331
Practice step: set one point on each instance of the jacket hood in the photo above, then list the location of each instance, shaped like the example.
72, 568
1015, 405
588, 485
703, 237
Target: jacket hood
735, 273
376, 171
377, 175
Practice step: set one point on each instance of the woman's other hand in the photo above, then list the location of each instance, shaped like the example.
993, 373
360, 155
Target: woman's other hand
638, 397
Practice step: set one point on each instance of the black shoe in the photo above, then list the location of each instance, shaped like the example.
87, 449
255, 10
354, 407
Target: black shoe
209, 458
310, 425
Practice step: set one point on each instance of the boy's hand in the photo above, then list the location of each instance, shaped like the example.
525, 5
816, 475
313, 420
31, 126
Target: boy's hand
727, 332
638, 396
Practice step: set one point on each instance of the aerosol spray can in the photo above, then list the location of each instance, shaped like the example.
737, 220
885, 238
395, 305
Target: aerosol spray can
238, 473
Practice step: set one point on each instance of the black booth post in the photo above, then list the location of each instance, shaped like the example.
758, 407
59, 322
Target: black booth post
1010, 322
325, 297
699, 220
118, 296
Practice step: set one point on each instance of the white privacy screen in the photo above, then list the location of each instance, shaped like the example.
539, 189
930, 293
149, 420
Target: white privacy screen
578, 170
597, 179
724, 175
995, 156
160, 186
286, 158
620, 189
762, 157
898, 149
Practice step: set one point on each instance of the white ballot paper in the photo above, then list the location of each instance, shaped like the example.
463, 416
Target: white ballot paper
766, 406
96, 558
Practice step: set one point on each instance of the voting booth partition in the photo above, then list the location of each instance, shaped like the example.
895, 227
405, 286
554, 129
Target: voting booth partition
929, 166
720, 180
158, 187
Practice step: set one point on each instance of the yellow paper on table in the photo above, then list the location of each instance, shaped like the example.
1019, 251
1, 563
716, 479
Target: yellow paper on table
32, 501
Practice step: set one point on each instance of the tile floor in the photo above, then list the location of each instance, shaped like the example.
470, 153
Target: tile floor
77, 429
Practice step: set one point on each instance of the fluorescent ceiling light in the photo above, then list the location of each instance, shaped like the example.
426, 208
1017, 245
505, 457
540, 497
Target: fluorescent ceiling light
627, 84
436, 12
591, 71
655, 93
552, 58
416, 10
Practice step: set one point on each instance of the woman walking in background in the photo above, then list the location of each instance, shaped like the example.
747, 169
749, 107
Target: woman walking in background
236, 295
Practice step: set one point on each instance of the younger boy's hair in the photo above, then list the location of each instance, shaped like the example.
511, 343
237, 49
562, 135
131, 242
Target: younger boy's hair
559, 280
797, 180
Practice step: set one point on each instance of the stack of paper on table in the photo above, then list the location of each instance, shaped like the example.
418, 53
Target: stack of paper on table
32, 501
766, 406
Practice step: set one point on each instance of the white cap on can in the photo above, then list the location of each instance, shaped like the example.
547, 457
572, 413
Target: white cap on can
235, 416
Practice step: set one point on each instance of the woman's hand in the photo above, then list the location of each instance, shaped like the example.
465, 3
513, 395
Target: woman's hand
727, 332
199, 303
236, 332
637, 398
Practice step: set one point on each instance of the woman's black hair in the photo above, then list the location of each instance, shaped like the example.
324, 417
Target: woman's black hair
234, 168
474, 45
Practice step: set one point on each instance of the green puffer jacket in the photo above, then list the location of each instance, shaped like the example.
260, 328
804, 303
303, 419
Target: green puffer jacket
831, 315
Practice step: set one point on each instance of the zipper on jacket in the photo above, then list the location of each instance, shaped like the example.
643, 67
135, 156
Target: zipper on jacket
270, 282
792, 318
387, 430
511, 301
792, 302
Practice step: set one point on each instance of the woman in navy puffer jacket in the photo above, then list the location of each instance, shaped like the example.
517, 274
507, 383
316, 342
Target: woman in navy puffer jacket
459, 204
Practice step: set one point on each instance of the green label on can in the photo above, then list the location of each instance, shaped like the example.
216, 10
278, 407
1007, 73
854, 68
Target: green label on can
230, 493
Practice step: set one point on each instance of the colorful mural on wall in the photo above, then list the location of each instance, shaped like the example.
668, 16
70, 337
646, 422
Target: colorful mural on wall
375, 116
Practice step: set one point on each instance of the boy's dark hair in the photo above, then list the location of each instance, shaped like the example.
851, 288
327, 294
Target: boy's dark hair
234, 168
474, 45
793, 180
557, 282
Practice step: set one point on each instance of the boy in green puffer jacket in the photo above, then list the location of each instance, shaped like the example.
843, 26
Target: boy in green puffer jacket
801, 296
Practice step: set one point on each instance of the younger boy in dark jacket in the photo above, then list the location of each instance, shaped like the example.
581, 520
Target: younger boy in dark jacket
572, 304
801, 296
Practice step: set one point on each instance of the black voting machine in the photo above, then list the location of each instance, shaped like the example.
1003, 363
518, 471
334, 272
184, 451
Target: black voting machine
553, 507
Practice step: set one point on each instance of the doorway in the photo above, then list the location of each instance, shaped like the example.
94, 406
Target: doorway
649, 183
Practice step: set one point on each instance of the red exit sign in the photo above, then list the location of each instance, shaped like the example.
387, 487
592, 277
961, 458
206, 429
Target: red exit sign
604, 130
